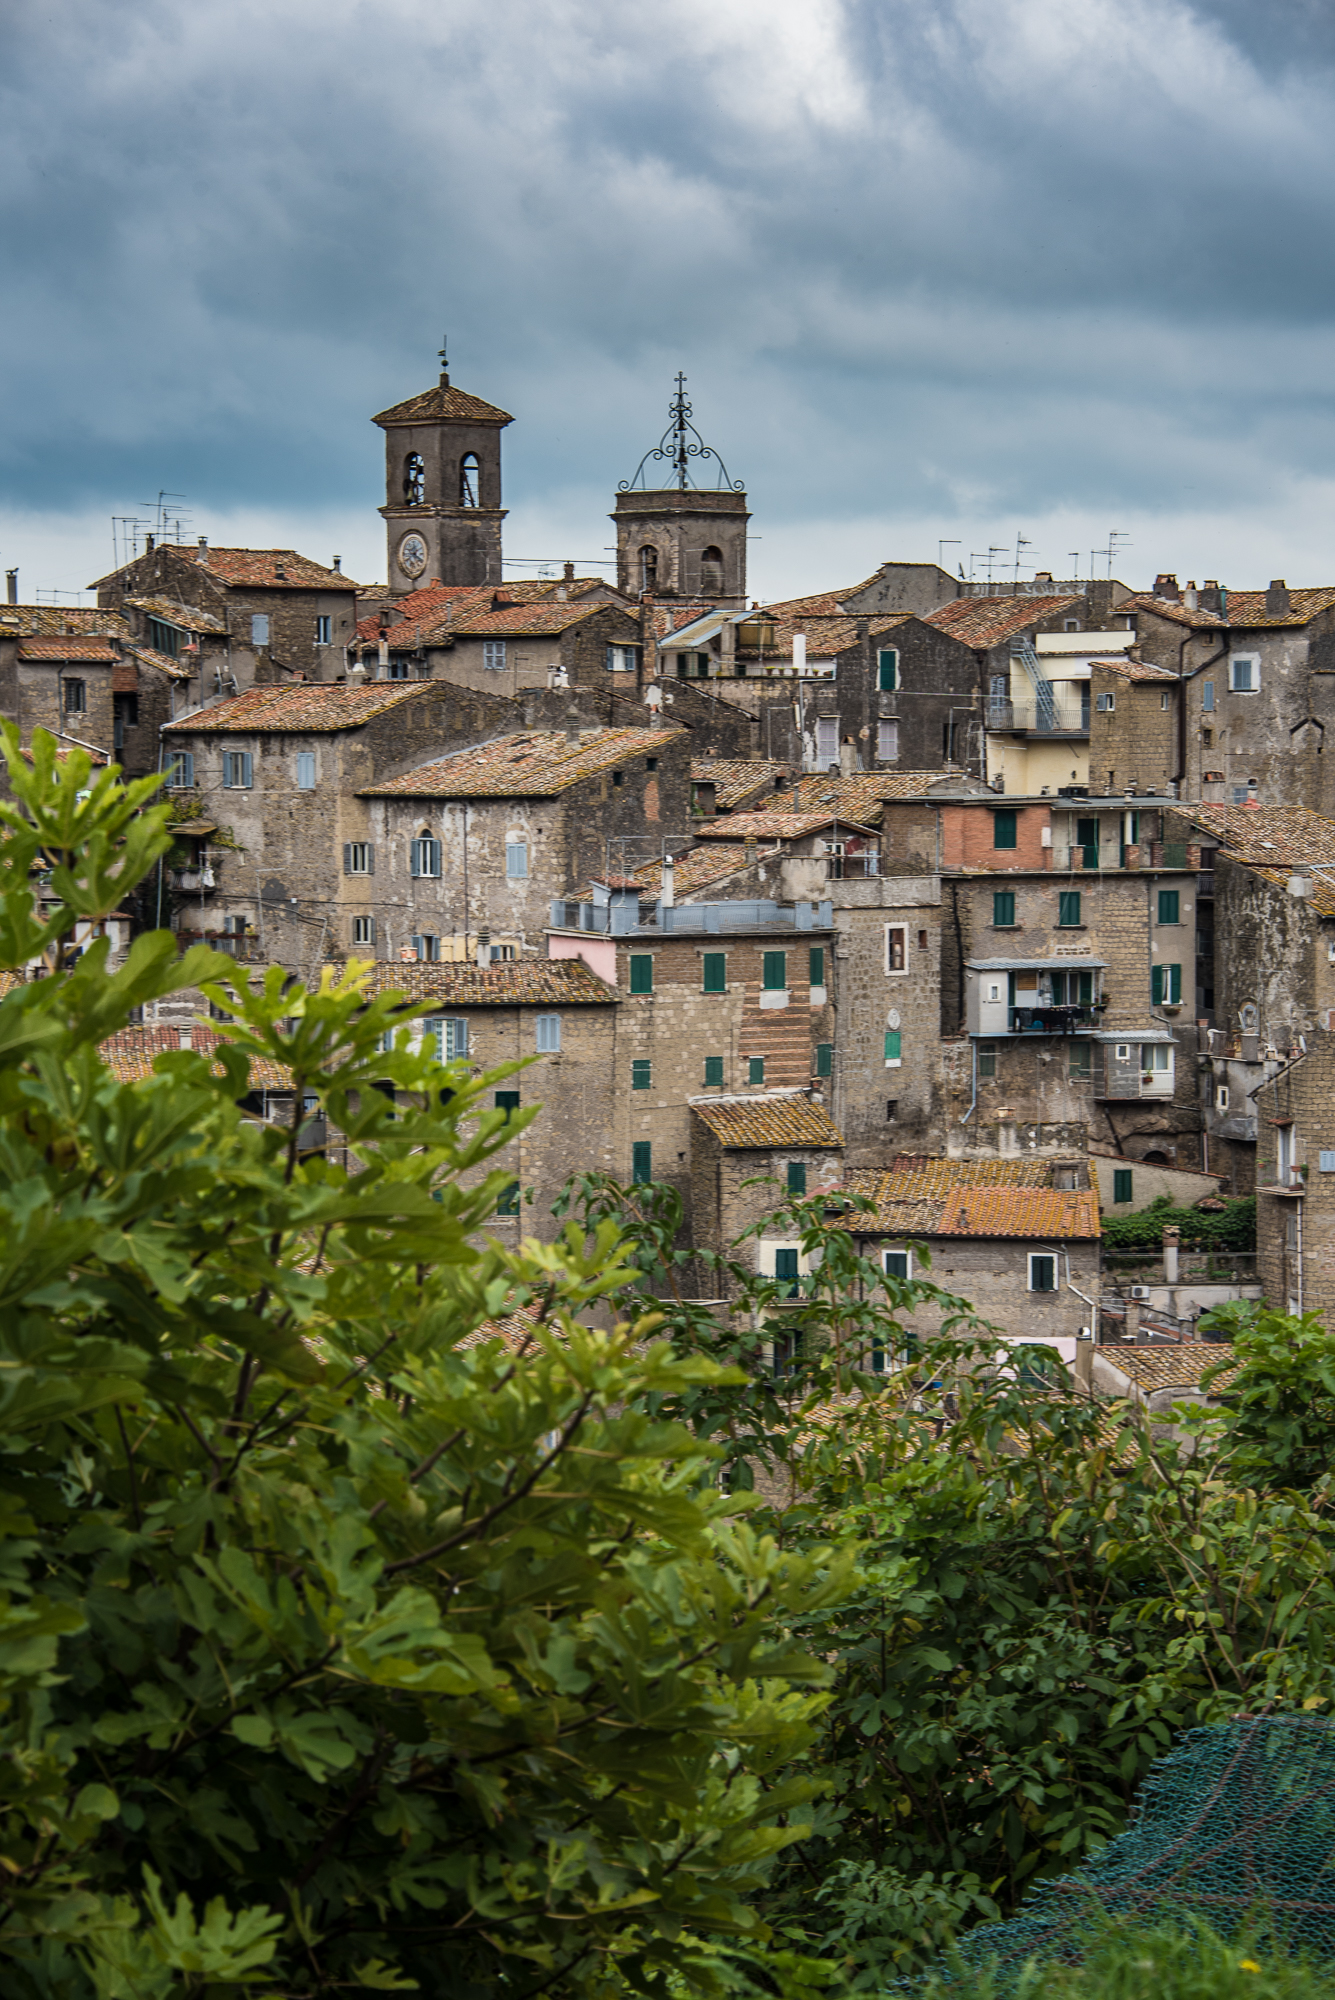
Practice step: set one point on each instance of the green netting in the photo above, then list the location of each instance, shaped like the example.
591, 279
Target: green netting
1236, 1825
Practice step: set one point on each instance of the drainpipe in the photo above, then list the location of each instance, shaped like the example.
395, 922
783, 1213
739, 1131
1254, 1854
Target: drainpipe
1299, 1204
974, 1106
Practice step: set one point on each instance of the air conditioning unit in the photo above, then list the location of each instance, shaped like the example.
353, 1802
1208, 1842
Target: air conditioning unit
1140, 1291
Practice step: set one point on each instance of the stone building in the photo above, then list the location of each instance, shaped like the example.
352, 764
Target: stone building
685, 539
1135, 726
238, 616
510, 640
89, 684
442, 513
748, 1156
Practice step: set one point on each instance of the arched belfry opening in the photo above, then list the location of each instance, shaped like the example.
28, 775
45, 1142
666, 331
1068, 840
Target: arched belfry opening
681, 520
442, 511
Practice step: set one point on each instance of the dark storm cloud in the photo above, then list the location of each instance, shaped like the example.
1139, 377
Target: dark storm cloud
1019, 254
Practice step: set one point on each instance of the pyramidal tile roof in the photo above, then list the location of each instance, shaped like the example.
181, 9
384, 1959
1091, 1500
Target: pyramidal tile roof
771, 1118
443, 401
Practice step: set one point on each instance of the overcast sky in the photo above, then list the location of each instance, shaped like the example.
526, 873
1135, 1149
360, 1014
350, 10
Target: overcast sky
950, 272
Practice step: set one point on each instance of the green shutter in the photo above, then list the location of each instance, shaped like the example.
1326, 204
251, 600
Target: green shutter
1003, 908
797, 1177
1122, 1181
1068, 908
641, 1074
825, 1058
641, 972
816, 965
888, 663
641, 1162
508, 1204
1004, 824
715, 973
892, 1044
1166, 985
776, 971
1156, 986
1169, 905
755, 1070
1042, 1274
1174, 981
713, 1070
507, 1101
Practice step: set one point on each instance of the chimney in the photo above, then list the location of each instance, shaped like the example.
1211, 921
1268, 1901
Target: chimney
568, 572
667, 894
149, 545
1277, 602
338, 565
484, 948
203, 545
1209, 598
1165, 585
1190, 598
12, 585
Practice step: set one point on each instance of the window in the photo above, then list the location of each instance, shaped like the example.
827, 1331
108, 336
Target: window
887, 663
1244, 674
897, 1264
1122, 1184
1207, 738
1068, 909
399, 668
618, 778
1105, 704
891, 1110
825, 1058
816, 965
896, 948
893, 1043
887, 742
425, 856
75, 697
427, 947
548, 1027
1072, 989
1326, 1163
755, 1070
451, 1040
1078, 1068
827, 739
1169, 906
470, 487
180, 769
516, 860
504, 1100
508, 1203
621, 659
414, 480
1042, 1272
1004, 825
1207, 697
1166, 985
711, 572
1221, 1097
493, 655
786, 1272
641, 1162
714, 972
775, 975
323, 630
641, 972
502, 954
305, 770
363, 930
1003, 909
713, 1071
164, 638
259, 628
237, 771
358, 857
641, 1074
648, 567
987, 1059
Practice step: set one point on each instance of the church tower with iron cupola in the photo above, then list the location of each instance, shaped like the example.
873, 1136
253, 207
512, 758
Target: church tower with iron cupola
442, 510
684, 538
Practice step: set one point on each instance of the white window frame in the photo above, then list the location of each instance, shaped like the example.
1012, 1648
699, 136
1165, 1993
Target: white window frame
516, 860
1105, 704
547, 1034
360, 858
238, 771
324, 626
305, 770
621, 659
1221, 1097
425, 857
824, 724
1047, 1257
1252, 662
900, 971
493, 655
450, 1035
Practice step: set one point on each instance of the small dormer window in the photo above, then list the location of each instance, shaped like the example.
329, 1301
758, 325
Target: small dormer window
414, 480
470, 476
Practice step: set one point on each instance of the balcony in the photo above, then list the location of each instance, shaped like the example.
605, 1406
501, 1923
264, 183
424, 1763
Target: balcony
1041, 712
1053, 1020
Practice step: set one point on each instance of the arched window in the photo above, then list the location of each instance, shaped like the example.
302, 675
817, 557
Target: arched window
711, 572
469, 480
648, 567
414, 480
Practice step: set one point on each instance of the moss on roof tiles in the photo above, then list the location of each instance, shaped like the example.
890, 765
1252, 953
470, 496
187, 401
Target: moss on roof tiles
546, 982
1267, 835
538, 763
1034, 1212
779, 1118
302, 709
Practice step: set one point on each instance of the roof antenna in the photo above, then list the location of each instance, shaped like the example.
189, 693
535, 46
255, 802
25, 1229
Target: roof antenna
444, 362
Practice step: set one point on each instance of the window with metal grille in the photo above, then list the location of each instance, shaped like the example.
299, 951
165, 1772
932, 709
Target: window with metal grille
358, 857
1042, 1272
641, 1162
825, 1058
714, 972
516, 860
238, 770
987, 1060
1123, 1179
1169, 906
493, 655
548, 1031
641, 1074
713, 1070
775, 974
797, 1177
887, 664
75, 697
426, 856
641, 972
1005, 823
363, 930
180, 769
755, 1070
816, 965
305, 770
1003, 909
1068, 908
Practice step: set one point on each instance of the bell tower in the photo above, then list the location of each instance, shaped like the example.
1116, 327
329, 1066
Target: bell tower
682, 538
442, 510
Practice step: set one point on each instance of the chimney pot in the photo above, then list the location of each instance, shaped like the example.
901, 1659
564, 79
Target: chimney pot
1165, 585
338, 565
12, 585
1277, 600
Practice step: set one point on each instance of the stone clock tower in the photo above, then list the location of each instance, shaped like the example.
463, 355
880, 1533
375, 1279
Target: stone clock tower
442, 508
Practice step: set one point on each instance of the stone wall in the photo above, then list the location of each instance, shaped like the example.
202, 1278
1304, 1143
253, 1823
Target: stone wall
1136, 742
874, 1002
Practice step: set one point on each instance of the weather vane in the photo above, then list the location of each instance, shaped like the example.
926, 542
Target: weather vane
680, 443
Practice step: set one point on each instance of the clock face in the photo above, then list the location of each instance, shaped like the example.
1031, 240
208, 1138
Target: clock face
412, 555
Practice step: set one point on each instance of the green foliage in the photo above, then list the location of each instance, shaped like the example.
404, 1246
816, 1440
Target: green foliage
1232, 1227
340, 1648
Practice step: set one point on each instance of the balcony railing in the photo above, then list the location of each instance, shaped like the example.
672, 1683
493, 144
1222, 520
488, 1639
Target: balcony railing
1040, 713
1051, 1020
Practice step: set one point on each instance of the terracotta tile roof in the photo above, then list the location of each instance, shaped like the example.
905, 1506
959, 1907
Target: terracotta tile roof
1266, 835
536, 764
481, 611
520, 982
1246, 608
826, 636
987, 621
775, 825
737, 779
518, 619
419, 611
8, 981
1321, 899
1000, 1211
304, 708
819, 603
131, 1053
51, 620
1134, 670
164, 663
695, 870
188, 616
777, 1118
443, 402
861, 797
258, 568
1151, 1368
86, 647
911, 1195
